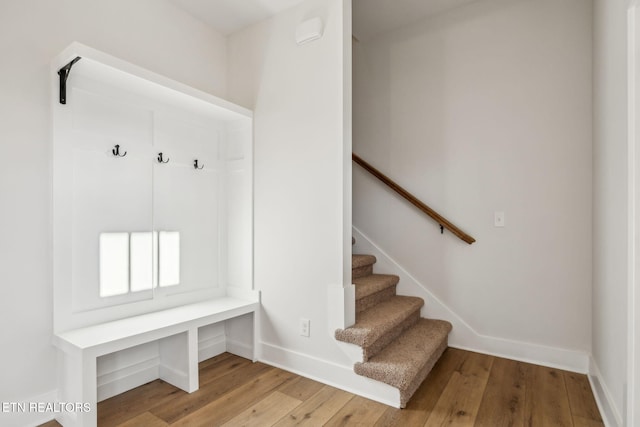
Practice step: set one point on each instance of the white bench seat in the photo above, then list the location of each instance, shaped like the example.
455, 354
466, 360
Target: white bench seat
175, 329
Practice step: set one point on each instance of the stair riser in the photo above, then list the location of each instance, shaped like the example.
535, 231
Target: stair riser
370, 300
363, 271
406, 394
372, 349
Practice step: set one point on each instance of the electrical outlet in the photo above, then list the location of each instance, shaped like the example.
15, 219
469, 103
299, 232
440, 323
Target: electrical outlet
305, 327
498, 219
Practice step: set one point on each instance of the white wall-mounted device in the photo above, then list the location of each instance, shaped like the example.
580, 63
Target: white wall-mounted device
309, 31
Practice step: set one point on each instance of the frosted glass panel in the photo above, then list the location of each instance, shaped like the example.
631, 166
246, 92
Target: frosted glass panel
114, 264
169, 258
144, 256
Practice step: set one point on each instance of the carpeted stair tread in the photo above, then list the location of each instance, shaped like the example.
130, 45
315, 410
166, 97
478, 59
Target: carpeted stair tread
358, 261
373, 283
406, 362
361, 265
379, 320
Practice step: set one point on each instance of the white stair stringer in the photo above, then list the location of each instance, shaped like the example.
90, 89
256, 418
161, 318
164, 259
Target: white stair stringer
463, 336
353, 352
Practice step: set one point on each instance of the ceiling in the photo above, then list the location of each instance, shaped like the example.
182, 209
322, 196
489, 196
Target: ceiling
370, 17
228, 16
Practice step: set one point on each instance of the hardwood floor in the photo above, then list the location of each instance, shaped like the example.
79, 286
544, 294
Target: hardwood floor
464, 389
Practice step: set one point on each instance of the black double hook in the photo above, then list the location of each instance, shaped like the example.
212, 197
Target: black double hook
195, 165
116, 151
160, 160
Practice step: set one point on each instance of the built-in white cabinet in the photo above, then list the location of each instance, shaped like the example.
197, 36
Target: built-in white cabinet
152, 192
152, 229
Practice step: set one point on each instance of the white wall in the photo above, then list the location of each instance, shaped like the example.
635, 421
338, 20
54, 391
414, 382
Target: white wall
486, 108
297, 96
610, 202
150, 33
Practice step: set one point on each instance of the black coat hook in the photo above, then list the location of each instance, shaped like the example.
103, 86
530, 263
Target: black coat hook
160, 160
116, 151
195, 165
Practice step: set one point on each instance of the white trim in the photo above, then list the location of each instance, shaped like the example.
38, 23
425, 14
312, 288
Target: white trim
347, 149
211, 347
463, 335
536, 354
330, 373
632, 412
127, 377
240, 349
606, 404
353, 352
175, 377
86, 52
339, 300
30, 419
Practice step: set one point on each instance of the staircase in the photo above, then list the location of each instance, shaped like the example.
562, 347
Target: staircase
399, 347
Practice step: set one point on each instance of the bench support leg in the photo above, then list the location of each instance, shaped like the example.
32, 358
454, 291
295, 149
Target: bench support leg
77, 379
179, 360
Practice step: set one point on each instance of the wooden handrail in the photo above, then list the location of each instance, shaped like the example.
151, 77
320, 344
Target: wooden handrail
444, 223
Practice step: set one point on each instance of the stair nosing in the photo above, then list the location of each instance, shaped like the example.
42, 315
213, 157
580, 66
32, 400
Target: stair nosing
365, 289
362, 260
364, 336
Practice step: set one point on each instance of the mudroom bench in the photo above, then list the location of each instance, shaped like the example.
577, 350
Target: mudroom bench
175, 329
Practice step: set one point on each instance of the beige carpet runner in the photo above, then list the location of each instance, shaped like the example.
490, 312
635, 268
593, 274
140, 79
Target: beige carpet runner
399, 347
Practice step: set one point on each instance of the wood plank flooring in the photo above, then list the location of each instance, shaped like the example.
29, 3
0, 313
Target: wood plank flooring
464, 389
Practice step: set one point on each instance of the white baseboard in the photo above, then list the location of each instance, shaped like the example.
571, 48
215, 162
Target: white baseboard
464, 336
552, 357
174, 377
127, 378
608, 411
329, 373
211, 347
240, 349
29, 418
